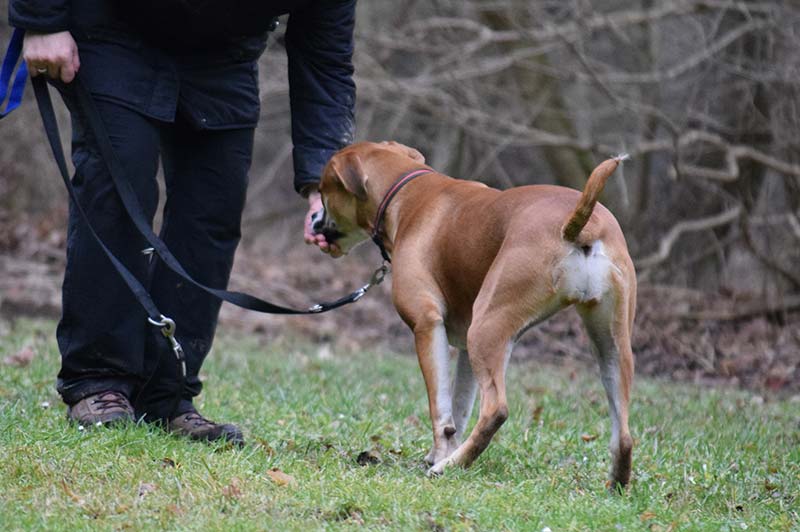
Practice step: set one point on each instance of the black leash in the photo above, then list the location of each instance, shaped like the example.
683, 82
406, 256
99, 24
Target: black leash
131, 203
136, 213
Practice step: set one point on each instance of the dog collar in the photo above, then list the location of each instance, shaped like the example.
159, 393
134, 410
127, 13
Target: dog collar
393, 190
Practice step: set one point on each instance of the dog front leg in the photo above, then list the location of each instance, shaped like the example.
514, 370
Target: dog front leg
434, 354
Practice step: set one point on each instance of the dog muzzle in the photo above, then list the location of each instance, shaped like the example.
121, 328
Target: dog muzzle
320, 225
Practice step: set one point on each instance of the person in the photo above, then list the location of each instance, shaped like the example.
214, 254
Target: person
175, 80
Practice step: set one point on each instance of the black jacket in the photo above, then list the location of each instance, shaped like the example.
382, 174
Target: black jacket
198, 58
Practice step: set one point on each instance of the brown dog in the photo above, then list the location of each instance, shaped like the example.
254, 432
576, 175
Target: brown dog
475, 267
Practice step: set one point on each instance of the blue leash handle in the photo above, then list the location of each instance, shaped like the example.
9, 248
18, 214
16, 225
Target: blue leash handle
7, 71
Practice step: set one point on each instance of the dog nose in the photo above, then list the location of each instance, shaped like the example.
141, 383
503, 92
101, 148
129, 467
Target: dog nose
317, 220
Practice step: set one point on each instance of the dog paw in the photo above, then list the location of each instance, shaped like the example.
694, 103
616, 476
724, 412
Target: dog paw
433, 472
439, 467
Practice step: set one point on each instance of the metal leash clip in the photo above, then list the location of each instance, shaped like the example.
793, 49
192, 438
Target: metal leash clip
377, 278
167, 326
380, 274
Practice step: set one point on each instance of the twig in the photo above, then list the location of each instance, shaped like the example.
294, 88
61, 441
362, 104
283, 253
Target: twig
702, 224
739, 311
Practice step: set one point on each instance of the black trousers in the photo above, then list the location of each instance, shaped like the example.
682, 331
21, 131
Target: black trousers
103, 335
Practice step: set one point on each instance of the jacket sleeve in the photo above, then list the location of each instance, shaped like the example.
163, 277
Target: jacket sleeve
45, 16
319, 45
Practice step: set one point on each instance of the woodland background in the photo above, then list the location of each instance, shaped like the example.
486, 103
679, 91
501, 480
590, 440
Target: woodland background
703, 94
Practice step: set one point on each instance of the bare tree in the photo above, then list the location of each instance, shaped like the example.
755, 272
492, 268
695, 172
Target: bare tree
702, 93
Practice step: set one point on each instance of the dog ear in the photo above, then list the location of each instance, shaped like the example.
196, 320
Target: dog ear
411, 152
350, 172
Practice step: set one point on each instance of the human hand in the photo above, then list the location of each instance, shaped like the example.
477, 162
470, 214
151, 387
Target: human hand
54, 54
318, 239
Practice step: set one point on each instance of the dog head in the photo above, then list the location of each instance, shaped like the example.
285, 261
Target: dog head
350, 184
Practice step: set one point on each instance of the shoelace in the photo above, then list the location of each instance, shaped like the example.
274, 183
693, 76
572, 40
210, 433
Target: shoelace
197, 420
111, 400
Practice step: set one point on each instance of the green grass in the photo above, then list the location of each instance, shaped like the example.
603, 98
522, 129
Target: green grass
706, 459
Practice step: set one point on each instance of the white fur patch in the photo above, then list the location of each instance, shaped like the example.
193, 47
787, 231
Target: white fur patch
582, 275
441, 360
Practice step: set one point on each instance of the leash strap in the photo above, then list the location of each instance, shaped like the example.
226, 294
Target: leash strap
7, 71
393, 190
157, 319
131, 202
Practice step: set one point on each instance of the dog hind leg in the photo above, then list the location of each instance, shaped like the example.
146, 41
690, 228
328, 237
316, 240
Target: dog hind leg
488, 354
465, 388
608, 324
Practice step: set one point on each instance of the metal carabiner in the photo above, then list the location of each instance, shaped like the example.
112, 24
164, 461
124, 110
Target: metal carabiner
379, 275
167, 326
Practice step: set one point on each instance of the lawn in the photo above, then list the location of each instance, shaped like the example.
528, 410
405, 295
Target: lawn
336, 441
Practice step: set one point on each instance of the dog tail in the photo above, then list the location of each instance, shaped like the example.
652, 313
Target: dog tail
594, 186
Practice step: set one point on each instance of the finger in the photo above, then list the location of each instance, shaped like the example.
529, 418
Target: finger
76, 60
67, 72
36, 67
310, 235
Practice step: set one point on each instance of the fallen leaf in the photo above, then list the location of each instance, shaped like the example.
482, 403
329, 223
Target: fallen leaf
537, 413
145, 488
68, 490
280, 478
232, 490
356, 517
168, 462
21, 358
121, 508
264, 444
370, 457
174, 509
647, 516
588, 437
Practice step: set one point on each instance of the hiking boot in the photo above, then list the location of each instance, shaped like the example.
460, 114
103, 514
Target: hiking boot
104, 408
196, 427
